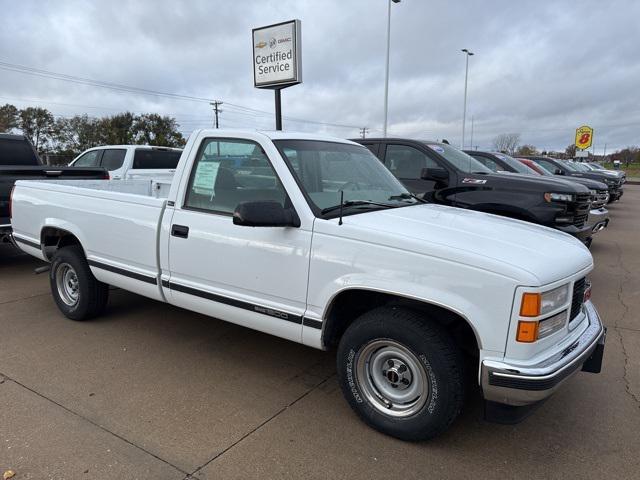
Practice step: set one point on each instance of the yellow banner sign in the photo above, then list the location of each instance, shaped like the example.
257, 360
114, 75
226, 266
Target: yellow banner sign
584, 137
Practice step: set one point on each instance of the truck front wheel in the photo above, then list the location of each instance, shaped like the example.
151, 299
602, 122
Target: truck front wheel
401, 373
75, 290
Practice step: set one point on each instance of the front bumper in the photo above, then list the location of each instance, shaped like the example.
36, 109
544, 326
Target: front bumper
5, 230
514, 385
598, 219
582, 233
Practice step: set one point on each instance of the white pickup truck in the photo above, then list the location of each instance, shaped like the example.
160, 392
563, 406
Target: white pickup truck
312, 239
130, 162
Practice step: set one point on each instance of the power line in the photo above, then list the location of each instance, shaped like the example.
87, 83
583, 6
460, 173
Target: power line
363, 132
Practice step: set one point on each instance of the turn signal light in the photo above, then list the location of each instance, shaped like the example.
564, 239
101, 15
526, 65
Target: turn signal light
527, 332
531, 304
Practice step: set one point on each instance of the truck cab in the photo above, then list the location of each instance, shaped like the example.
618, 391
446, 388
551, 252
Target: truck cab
443, 174
127, 162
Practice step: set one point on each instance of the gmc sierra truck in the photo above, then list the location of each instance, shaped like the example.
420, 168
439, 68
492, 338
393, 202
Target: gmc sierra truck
20, 161
443, 174
312, 239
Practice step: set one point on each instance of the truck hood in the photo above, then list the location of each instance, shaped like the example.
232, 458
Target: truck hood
531, 254
545, 184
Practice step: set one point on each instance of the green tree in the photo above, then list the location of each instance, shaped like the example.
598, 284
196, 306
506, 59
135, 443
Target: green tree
8, 118
154, 129
38, 124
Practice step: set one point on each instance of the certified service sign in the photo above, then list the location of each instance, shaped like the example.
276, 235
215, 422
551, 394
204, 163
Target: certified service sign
276, 55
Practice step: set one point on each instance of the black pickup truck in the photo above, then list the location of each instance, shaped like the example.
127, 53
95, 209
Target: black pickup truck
443, 174
564, 168
20, 161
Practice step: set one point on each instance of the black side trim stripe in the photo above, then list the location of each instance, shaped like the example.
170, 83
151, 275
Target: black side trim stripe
122, 271
309, 322
290, 317
28, 243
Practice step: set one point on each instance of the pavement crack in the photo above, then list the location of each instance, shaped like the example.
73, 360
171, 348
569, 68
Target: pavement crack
24, 298
258, 427
97, 425
618, 329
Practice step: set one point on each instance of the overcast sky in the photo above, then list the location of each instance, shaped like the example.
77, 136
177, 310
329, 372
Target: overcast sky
541, 69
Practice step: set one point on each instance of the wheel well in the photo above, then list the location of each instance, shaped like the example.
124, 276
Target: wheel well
53, 238
350, 304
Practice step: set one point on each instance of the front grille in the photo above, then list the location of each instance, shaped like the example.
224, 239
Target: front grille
578, 297
580, 209
600, 199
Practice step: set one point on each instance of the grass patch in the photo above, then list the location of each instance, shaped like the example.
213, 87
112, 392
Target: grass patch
633, 170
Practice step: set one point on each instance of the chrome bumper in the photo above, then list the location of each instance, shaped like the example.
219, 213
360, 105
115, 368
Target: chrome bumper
518, 386
598, 219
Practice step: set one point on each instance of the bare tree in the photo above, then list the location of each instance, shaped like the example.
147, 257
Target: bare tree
507, 142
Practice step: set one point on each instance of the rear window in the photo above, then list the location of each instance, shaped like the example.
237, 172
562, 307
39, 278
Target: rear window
151, 159
16, 152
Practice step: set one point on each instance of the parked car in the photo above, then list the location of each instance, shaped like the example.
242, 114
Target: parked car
594, 167
312, 239
502, 163
561, 167
443, 174
19, 160
125, 162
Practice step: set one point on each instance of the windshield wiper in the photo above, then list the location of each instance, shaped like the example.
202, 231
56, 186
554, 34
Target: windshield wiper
357, 203
407, 196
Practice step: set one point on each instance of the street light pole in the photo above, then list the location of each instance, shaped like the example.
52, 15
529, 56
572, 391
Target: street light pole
467, 54
386, 78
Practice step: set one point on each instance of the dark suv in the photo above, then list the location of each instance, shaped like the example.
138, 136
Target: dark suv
561, 167
443, 174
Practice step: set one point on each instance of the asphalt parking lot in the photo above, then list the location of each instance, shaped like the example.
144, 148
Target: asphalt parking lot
150, 391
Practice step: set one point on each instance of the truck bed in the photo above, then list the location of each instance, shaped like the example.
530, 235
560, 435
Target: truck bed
116, 221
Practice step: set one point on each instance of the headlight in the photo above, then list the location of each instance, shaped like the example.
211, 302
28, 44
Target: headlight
537, 304
558, 197
593, 192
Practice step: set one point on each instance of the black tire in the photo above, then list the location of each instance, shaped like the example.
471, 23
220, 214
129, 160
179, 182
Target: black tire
90, 295
434, 351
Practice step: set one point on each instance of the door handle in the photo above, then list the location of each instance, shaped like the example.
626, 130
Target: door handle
179, 231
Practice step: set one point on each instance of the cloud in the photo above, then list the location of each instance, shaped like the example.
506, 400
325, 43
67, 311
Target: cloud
541, 68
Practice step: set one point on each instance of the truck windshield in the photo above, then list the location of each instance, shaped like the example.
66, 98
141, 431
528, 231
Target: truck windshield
567, 165
515, 164
458, 158
325, 169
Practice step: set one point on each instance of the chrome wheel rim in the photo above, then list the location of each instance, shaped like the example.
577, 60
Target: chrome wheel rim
392, 378
67, 284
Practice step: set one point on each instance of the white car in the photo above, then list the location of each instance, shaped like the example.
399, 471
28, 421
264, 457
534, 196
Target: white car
312, 239
130, 162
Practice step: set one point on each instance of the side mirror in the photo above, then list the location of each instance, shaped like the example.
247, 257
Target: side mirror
434, 174
558, 172
264, 214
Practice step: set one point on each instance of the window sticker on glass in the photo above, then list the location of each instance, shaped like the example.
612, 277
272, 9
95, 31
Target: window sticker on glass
436, 148
206, 173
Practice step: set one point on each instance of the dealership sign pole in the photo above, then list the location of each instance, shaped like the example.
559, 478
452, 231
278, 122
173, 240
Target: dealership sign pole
277, 59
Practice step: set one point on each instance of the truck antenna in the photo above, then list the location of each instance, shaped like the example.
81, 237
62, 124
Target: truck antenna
341, 204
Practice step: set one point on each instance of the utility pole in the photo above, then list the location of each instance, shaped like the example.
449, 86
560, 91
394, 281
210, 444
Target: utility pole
386, 74
471, 143
216, 110
363, 132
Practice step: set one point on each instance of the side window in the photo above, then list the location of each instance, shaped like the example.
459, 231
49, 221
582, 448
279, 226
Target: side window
113, 159
89, 159
229, 172
373, 148
488, 162
548, 165
407, 162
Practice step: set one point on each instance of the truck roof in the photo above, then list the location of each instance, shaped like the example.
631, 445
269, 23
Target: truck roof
272, 134
142, 147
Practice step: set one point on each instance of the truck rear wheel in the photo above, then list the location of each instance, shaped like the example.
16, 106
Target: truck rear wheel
401, 373
75, 290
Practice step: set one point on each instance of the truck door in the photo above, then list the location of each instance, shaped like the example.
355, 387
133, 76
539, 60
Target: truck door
253, 276
406, 163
